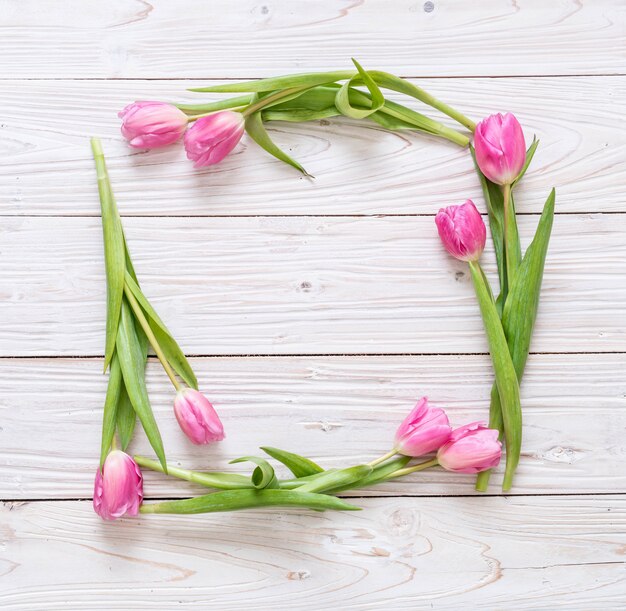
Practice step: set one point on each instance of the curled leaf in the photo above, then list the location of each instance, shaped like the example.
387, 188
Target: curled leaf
342, 99
263, 475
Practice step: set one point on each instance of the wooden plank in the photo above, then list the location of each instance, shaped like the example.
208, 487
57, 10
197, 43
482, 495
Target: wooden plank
338, 410
360, 169
300, 285
526, 553
85, 38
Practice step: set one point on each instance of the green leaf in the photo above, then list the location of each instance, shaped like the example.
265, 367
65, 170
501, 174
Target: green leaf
520, 311
331, 480
300, 466
263, 475
310, 79
233, 500
506, 378
299, 115
256, 130
114, 253
342, 100
125, 419
172, 351
224, 481
132, 363
109, 412
530, 153
380, 474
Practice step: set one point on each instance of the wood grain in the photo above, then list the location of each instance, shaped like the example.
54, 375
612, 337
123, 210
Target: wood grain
338, 410
300, 285
160, 39
496, 553
47, 167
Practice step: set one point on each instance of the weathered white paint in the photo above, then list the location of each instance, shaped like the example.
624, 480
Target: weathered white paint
46, 165
414, 554
300, 285
337, 410
160, 39
352, 285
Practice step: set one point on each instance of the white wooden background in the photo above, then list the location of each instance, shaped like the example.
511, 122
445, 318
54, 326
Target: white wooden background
316, 313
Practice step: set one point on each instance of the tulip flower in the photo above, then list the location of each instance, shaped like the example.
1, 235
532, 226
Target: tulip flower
211, 138
462, 231
471, 448
152, 124
500, 148
118, 489
197, 417
424, 430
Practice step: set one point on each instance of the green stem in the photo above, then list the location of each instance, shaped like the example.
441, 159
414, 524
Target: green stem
139, 315
511, 239
222, 481
424, 465
270, 99
382, 458
506, 378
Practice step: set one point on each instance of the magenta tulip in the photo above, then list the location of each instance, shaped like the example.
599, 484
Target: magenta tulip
471, 448
500, 148
197, 417
462, 231
424, 430
118, 489
152, 124
211, 138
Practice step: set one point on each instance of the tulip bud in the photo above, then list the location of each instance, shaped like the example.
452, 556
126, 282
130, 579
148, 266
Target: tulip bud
500, 148
118, 488
471, 448
462, 231
211, 138
424, 430
152, 124
197, 417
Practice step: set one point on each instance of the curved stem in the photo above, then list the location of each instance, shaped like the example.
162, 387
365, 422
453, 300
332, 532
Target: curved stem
382, 458
424, 465
139, 315
270, 99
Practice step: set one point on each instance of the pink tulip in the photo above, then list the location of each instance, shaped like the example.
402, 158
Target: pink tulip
500, 148
462, 231
211, 138
424, 430
118, 488
471, 448
151, 125
197, 417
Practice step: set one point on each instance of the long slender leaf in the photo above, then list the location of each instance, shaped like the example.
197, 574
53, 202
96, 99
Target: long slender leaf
256, 130
113, 251
280, 82
380, 474
232, 500
520, 311
109, 412
336, 479
342, 99
242, 100
299, 115
172, 351
300, 466
126, 419
530, 153
132, 363
506, 378
263, 475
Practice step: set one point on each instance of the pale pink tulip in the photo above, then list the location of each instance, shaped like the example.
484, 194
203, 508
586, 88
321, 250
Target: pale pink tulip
500, 148
118, 489
462, 231
471, 448
197, 417
424, 430
211, 138
152, 125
